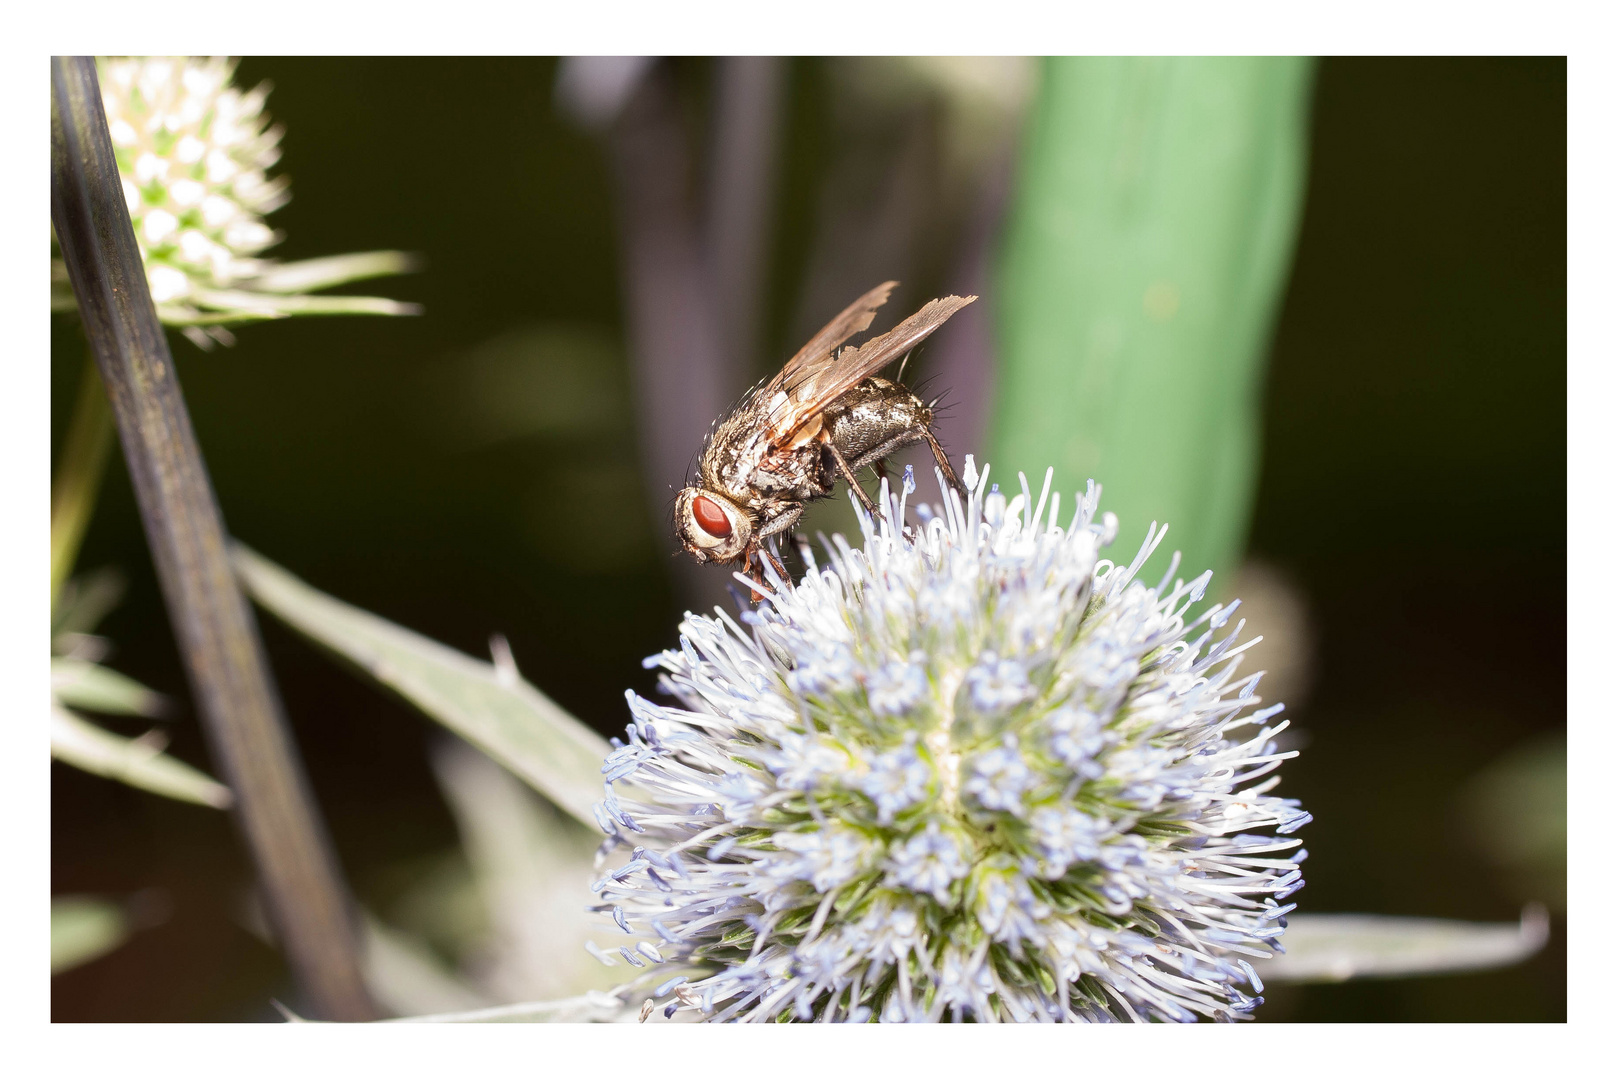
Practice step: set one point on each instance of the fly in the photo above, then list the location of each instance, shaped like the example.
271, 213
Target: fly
824, 416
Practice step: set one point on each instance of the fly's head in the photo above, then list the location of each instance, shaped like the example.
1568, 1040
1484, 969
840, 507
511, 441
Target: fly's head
711, 527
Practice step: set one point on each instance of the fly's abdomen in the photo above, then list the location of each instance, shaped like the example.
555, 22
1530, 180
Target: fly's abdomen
874, 414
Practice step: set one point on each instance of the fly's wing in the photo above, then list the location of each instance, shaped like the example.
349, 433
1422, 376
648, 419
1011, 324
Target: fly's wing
818, 350
798, 402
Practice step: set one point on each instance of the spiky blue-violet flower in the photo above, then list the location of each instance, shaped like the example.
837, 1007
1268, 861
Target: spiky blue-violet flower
968, 770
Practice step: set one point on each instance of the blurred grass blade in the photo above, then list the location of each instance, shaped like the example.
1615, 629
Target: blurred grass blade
594, 1006
137, 762
308, 275
1147, 249
86, 599
83, 928
90, 686
273, 305
85, 452
496, 711
1333, 948
405, 977
182, 317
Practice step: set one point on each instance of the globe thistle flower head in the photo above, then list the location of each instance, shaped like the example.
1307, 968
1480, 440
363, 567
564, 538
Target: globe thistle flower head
968, 770
194, 154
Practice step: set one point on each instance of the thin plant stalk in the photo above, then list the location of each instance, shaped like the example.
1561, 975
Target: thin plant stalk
744, 161
218, 639
78, 478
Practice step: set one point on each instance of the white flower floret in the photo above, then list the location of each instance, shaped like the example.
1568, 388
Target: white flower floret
898, 686
996, 684
929, 862
999, 778
967, 770
897, 780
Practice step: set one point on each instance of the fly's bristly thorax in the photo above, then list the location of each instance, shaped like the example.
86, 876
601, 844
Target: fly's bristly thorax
711, 526
969, 769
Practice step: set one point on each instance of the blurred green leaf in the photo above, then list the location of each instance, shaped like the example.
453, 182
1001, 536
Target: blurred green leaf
531, 865
594, 1006
90, 686
309, 275
251, 304
490, 707
1147, 248
85, 601
1333, 948
1516, 812
405, 977
543, 380
83, 928
138, 762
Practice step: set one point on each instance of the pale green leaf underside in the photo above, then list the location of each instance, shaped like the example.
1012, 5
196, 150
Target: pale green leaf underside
496, 711
240, 305
136, 762
310, 275
1333, 948
84, 685
83, 928
592, 1006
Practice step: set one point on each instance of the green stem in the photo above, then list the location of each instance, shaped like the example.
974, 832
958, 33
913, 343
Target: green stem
78, 477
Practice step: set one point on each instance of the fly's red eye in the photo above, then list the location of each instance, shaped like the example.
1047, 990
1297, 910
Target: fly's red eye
710, 518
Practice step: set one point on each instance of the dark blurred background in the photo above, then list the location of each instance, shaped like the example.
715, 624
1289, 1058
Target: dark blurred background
477, 470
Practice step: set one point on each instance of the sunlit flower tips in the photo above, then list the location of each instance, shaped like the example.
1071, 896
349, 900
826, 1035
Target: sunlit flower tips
193, 151
193, 156
967, 770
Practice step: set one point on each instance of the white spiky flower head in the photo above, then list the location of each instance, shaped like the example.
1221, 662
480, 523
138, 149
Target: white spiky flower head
969, 770
194, 152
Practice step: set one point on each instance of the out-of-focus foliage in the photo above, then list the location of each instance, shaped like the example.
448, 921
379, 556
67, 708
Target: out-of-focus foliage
1333, 948
1516, 813
1148, 245
78, 681
488, 704
500, 921
83, 928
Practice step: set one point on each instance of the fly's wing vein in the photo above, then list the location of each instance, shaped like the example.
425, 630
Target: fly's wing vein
806, 397
818, 350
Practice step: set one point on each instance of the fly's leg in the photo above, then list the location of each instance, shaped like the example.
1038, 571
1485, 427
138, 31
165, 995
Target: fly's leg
849, 477
776, 563
874, 457
944, 462
781, 522
753, 560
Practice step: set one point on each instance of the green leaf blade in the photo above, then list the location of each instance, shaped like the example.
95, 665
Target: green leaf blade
310, 275
84, 928
85, 685
137, 762
1334, 948
494, 709
1147, 249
